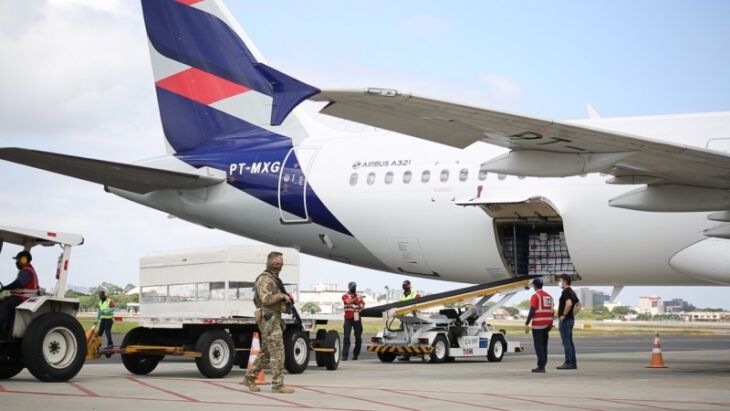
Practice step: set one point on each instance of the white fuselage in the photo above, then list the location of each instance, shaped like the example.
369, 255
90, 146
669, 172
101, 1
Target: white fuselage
416, 227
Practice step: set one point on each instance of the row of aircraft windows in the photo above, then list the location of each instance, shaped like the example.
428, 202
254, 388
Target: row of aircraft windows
425, 176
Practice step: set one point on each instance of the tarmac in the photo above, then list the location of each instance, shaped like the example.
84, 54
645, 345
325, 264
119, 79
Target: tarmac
698, 378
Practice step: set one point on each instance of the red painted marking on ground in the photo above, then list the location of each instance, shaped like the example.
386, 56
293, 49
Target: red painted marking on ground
2, 389
184, 397
469, 404
352, 397
628, 402
83, 389
295, 404
539, 402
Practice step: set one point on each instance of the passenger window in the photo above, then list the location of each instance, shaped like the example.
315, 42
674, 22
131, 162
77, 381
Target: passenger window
425, 176
371, 179
463, 174
483, 172
444, 176
388, 177
407, 176
353, 179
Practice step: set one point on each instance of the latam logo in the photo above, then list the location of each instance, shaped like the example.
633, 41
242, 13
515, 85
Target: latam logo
258, 167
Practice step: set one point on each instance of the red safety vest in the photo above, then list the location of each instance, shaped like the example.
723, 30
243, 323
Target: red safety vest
32, 289
542, 302
355, 306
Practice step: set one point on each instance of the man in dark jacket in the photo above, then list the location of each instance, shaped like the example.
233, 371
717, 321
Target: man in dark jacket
568, 300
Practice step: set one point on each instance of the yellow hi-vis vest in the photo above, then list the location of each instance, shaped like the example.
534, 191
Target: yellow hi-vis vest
411, 296
106, 309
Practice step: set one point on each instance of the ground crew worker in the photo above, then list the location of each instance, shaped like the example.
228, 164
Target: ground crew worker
407, 295
568, 301
105, 316
270, 300
353, 304
25, 286
541, 315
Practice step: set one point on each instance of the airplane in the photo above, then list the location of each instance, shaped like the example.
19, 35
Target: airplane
433, 189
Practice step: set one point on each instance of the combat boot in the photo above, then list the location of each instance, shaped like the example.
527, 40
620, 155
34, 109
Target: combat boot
282, 389
251, 384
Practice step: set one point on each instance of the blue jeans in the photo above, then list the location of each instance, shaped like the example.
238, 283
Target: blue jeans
566, 334
351, 325
540, 340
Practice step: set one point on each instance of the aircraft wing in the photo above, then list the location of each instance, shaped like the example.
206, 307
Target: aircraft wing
539, 148
128, 177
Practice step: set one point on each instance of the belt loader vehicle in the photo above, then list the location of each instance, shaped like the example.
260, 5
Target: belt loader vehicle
450, 334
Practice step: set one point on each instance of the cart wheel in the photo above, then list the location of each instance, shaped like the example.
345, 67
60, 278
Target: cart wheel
9, 369
217, 349
386, 356
319, 356
54, 347
497, 347
139, 364
440, 349
296, 351
332, 359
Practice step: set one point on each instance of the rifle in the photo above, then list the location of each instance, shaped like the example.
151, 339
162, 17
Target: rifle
291, 309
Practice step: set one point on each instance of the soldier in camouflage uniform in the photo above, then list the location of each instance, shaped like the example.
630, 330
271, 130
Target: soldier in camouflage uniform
270, 301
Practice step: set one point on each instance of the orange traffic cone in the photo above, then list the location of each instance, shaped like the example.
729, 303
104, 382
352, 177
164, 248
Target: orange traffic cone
657, 361
255, 349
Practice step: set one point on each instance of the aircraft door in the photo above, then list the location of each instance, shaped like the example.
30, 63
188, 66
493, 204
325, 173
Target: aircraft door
292, 190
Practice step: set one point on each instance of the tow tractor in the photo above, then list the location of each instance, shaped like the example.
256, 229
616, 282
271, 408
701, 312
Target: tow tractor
451, 333
44, 335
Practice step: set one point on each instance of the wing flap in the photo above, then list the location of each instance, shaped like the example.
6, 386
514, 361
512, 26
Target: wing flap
128, 177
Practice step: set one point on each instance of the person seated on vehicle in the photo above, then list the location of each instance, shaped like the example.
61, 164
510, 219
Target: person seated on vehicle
25, 286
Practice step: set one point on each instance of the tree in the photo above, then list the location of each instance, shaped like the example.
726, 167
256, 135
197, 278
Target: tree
311, 308
623, 310
513, 311
644, 317
524, 305
600, 310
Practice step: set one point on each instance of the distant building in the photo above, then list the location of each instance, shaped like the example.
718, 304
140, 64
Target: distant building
329, 298
650, 304
676, 305
704, 316
591, 298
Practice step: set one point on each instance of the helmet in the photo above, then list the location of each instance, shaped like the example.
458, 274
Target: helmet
537, 282
352, 284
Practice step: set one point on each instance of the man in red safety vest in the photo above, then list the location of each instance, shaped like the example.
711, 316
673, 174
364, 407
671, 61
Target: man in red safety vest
541, 316
26, 285
353, 303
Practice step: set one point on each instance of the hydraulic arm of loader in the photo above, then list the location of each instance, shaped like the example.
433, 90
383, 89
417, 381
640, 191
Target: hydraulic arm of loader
440, 299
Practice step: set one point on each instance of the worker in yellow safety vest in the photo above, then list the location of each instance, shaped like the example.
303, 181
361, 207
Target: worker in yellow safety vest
407, 295
105, 316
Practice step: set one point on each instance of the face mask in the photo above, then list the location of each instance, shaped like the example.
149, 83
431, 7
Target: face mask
17, 264
561, 284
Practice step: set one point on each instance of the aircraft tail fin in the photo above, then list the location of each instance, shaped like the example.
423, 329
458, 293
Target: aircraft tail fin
212, 84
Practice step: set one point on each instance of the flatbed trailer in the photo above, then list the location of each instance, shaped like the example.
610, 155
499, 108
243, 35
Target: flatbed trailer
216, 344
451, 333
198, 303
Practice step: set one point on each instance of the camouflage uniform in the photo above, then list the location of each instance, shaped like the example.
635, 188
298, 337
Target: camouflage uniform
269, 301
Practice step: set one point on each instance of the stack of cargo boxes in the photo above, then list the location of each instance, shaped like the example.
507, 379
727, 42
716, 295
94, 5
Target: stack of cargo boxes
549, 254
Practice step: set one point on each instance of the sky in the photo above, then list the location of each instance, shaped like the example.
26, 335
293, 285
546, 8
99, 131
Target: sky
75, 78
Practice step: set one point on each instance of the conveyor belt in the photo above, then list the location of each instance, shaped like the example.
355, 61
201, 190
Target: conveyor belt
448, 297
